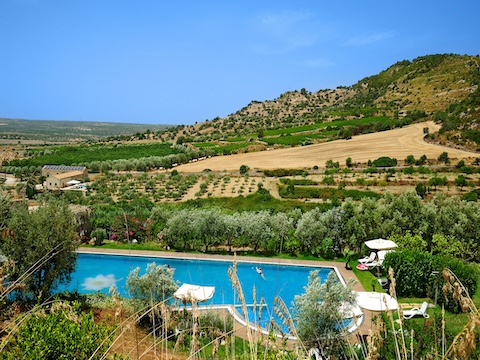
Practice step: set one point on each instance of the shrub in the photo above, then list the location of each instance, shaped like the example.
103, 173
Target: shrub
63, 332
328, 180
243, 169
414, 271
384, 161
100, 235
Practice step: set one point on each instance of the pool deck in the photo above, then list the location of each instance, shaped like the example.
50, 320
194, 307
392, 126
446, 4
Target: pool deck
239, 328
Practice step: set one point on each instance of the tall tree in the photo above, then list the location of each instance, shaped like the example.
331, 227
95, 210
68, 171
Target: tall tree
42, 244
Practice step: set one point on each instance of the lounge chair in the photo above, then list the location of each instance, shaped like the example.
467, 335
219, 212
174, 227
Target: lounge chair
408, 314
375, 263
369, 258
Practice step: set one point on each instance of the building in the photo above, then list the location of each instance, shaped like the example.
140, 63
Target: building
59, 176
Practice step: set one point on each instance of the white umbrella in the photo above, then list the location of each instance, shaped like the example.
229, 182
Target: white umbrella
376, 301
191, 293
380, 244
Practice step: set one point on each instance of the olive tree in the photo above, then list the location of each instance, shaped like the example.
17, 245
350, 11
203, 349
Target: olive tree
318, 312
156, 284
42, 243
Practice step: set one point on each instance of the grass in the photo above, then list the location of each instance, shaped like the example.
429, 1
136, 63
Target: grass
367, 279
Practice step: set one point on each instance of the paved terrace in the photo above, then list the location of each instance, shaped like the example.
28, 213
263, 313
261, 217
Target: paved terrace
239, 328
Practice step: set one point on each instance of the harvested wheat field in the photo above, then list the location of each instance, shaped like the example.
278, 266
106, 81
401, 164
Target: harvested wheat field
397, 143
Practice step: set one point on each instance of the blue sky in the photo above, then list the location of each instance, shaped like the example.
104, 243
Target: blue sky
183, 62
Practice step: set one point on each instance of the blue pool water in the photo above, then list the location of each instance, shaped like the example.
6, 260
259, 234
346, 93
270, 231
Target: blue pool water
98, 272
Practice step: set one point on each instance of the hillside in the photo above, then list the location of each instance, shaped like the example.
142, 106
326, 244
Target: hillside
443, 88
397, 143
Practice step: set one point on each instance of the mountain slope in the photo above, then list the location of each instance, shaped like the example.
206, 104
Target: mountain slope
443, 88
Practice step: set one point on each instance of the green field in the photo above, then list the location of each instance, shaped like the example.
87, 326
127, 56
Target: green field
68, 155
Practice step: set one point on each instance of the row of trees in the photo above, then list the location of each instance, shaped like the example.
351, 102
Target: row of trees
318, 232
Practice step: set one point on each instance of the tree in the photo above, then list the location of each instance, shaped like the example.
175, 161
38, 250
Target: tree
243, 169
409, 160
460, 181
318, 314
421, 189
42, 244
30, 189
443, 157
156, 284
330, 164
348, 162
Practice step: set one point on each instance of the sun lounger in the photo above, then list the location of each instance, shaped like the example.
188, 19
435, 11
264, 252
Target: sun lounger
408, 314
368, 259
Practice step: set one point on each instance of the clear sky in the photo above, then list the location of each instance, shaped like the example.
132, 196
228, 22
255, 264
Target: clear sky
181, 62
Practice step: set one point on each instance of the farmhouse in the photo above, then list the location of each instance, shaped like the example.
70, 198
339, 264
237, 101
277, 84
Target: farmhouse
58, 176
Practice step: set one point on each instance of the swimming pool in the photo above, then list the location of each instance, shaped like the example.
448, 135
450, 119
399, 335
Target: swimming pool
98, 272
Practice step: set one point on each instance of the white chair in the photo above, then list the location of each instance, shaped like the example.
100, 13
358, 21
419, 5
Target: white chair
408, 314
375, 263
369, 258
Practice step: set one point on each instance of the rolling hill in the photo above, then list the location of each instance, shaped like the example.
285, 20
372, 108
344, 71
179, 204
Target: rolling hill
443, 88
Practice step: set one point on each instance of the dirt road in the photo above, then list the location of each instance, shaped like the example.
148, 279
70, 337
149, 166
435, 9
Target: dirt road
397, 143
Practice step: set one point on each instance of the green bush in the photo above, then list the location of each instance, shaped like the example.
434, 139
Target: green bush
100, 235
412, 269
414, 277
62, 332
284, 172
467, 274
384, 161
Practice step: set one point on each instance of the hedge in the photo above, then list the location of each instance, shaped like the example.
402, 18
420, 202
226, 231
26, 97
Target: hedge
415, 277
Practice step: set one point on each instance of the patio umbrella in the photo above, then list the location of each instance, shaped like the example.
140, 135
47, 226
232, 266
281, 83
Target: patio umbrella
194, 293
376, 301
380, 244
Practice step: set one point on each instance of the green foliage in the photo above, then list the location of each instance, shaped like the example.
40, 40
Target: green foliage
412, 269
384, 161
414, 275
244, 169
155, 285
62, 332
460, 181
410, 241
473, 195
213, 325
421, 189
283, 172
331, 164
305, 192
327, 249
68, 155
302, 182
409, 160
443, 157
328, 180
42, 244
317, 315
100, 235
